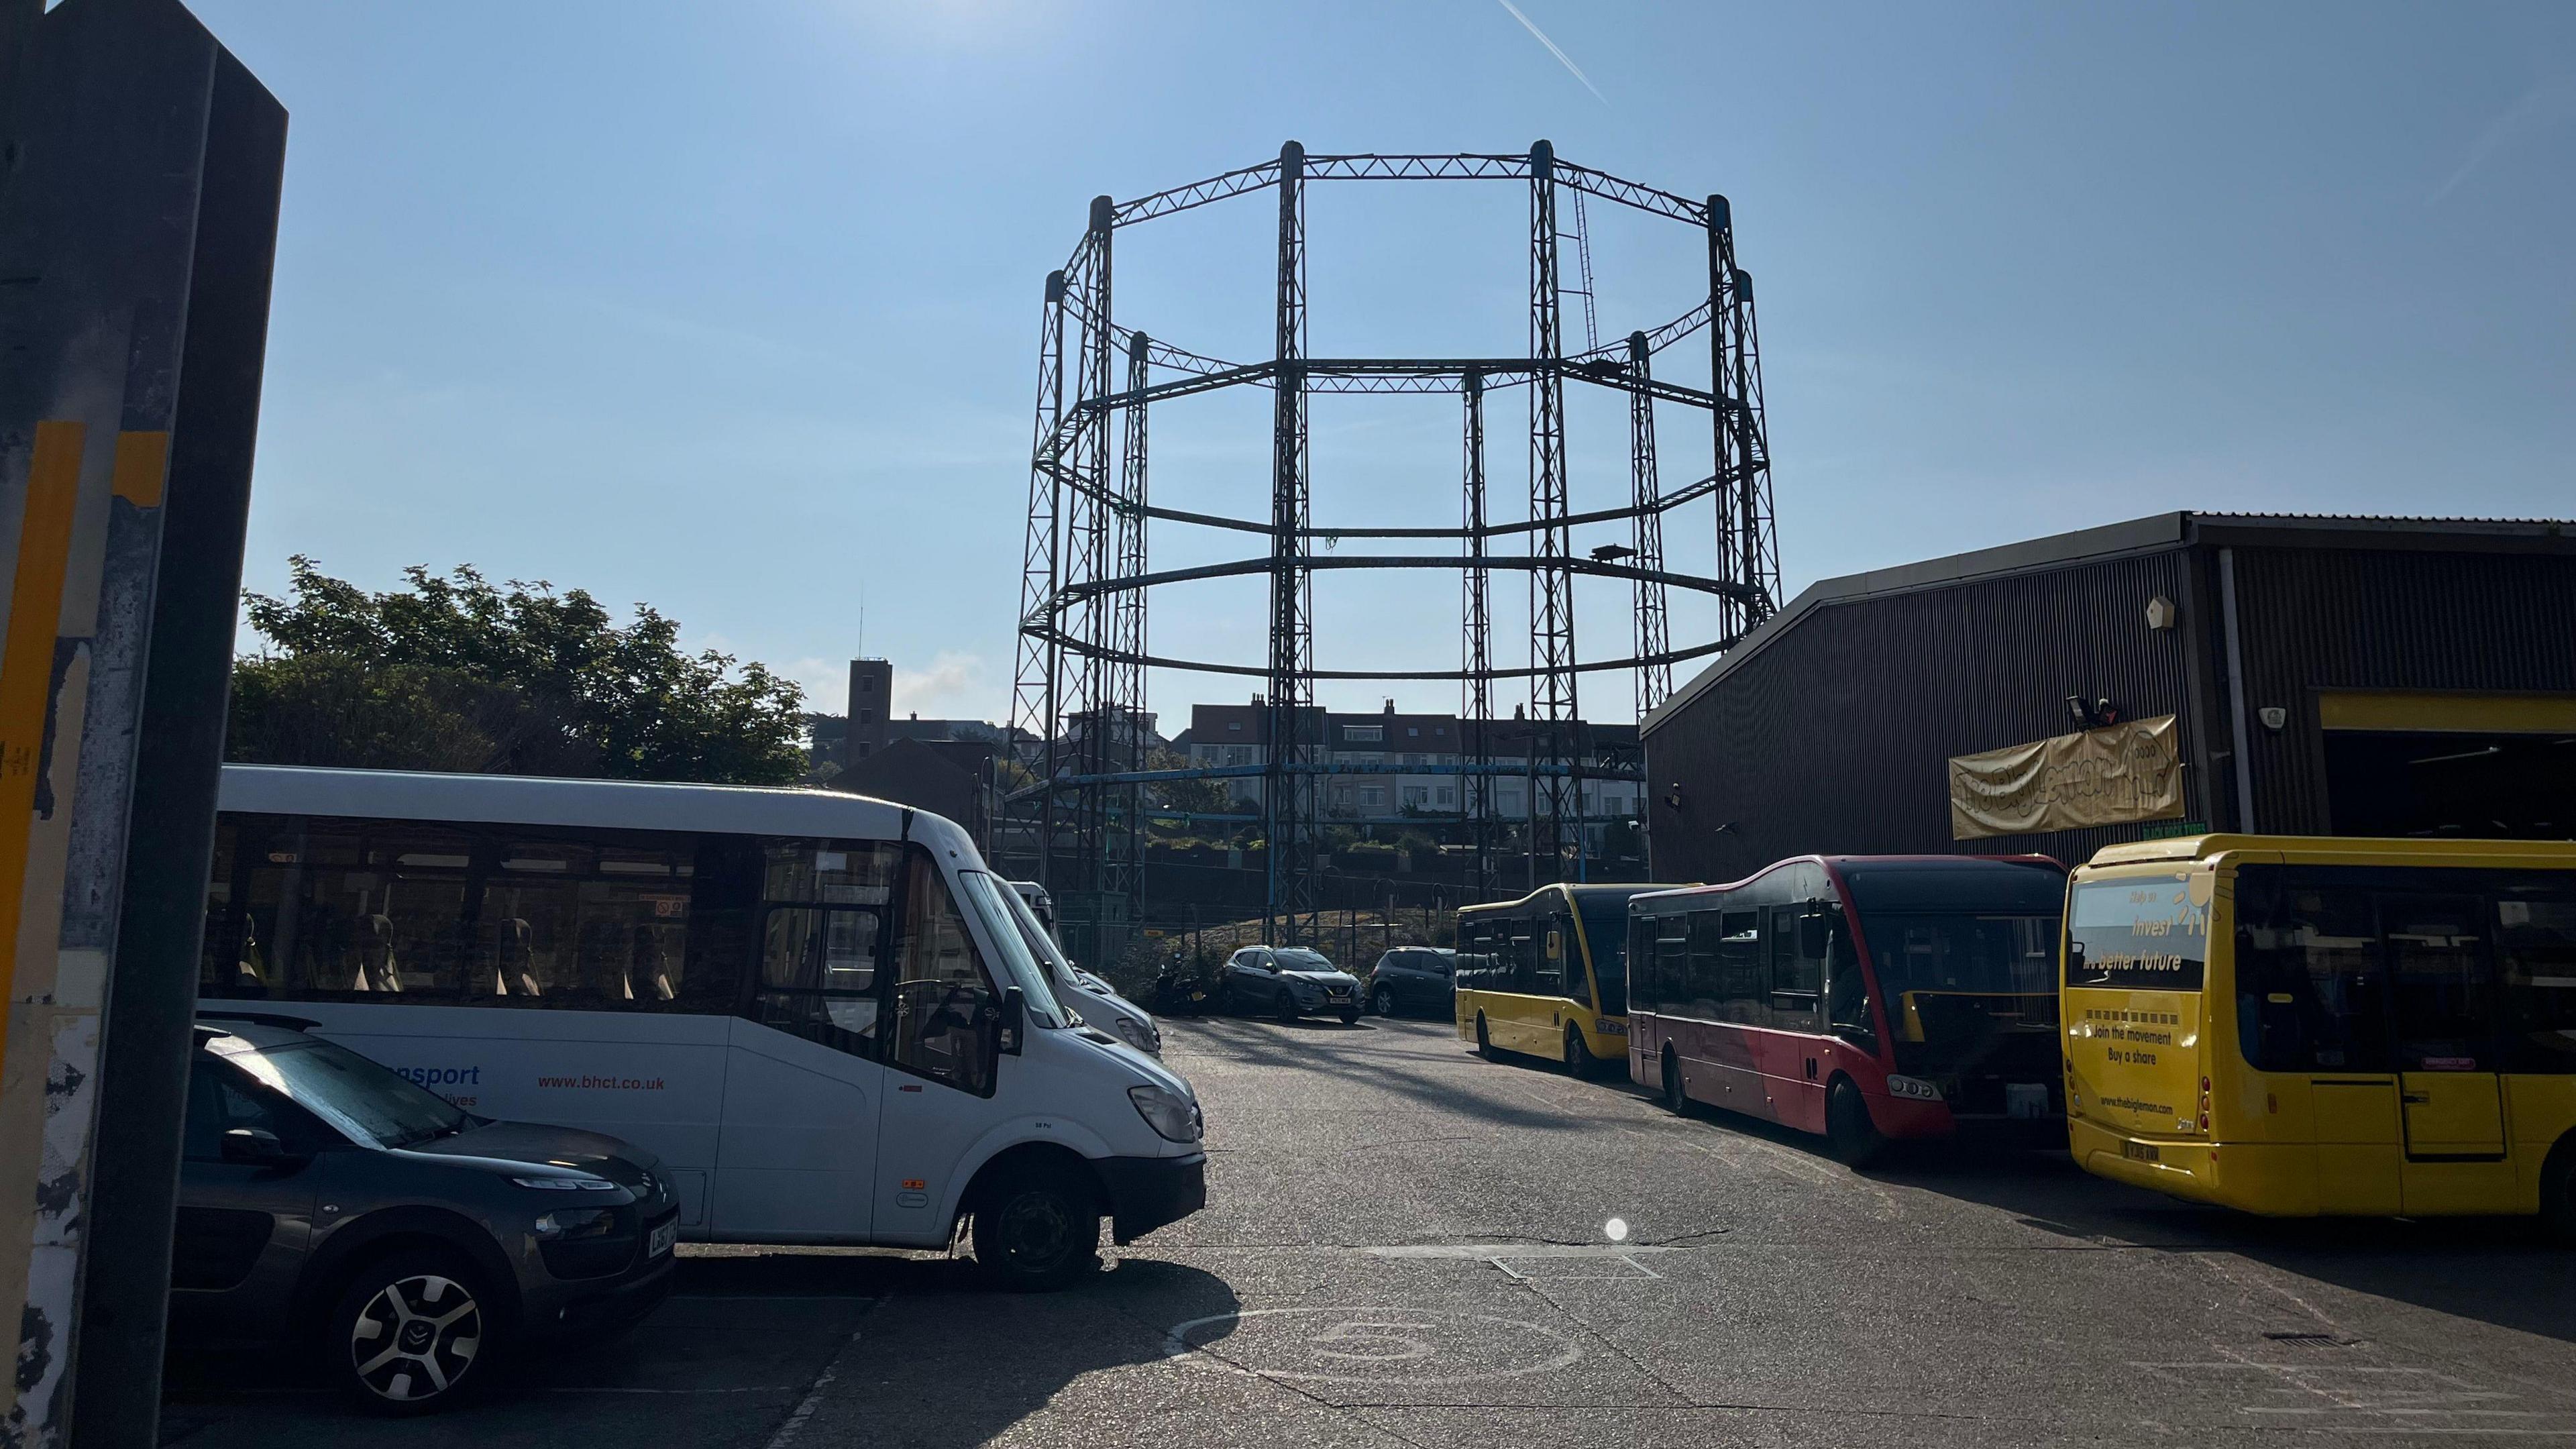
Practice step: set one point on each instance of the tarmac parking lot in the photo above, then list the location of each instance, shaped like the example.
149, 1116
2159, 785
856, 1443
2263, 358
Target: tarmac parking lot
1406, 1246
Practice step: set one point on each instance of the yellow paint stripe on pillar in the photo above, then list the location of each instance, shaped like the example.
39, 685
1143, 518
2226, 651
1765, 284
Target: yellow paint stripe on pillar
27, 667
142, 464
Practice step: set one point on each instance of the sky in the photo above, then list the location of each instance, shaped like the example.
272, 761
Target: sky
733, 308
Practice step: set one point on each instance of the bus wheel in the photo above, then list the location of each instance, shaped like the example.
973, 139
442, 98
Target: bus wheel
1485, 1040
1854, 1139
2558, 1194
1579, 1060
1036, 1230
1676, 1101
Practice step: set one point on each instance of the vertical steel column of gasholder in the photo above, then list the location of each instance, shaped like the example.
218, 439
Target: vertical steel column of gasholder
1724, 350
1653, 637
1088, 546
1288, 783
1037, 670
1475, 610
1127, 635
1553, 706
1760, 530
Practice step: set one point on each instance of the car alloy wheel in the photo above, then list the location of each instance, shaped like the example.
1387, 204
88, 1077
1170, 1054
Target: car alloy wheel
1383, 1001
414, 1340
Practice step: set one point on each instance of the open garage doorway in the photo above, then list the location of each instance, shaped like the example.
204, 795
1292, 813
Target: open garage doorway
2468, 766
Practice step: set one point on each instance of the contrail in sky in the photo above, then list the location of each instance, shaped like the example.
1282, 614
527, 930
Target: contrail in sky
1567, 60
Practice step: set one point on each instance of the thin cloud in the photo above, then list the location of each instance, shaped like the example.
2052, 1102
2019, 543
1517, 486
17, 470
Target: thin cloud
1552, 48
2546, 104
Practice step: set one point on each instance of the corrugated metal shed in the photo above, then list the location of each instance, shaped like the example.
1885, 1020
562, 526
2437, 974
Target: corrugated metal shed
1830, 728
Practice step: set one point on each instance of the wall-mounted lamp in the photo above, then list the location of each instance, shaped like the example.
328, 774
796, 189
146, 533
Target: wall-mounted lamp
2161, 613
2091, 714
2275, 718
1673, 796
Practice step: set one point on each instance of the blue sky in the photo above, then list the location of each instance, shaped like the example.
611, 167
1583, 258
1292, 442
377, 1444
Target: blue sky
733, 308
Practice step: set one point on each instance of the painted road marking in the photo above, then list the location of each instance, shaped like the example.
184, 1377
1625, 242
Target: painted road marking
1387, 1347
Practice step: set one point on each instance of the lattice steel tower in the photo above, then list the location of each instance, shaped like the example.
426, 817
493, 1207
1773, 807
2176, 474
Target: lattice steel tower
1078, 689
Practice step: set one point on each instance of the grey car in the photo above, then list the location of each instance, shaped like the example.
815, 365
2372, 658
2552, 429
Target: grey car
1287, 982
1413, 978
325, 1200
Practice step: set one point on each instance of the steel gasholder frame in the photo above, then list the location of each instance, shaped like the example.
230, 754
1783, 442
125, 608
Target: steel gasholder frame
1078, 694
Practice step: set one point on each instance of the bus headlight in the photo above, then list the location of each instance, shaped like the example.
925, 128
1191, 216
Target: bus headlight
1913, 1088
1173, 1117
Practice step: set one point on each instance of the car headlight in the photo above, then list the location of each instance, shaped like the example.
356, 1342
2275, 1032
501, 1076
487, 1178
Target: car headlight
1172, 1116
1913, 1087
1134, 1033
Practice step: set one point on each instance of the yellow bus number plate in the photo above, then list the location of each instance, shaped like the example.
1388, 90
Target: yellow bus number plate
2140, 1151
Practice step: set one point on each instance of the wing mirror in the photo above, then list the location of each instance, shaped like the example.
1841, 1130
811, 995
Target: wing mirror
257, 1147
1010, 1021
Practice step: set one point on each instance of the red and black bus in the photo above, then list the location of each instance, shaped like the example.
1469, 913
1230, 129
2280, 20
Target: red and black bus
1862, 997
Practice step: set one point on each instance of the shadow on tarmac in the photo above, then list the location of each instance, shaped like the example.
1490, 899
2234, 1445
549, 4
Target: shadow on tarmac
2499, 1271
940, 1361
1265, 1043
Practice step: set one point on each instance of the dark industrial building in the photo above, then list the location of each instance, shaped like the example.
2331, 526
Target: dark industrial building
2170, 675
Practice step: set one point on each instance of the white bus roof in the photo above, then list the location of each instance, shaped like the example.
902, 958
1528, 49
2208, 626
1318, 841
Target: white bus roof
597, 804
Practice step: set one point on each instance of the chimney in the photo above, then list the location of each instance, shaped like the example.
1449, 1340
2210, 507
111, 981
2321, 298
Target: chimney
1390, 706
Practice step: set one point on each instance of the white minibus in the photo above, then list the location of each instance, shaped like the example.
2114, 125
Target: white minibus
817, 1009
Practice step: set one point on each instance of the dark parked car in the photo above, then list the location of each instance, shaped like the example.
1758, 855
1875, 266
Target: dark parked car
323, 1198
1413, 978
1287, 982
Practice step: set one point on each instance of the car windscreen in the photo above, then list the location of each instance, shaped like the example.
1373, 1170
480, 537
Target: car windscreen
1041, 945
368, 1103
1001, 908
1296, 958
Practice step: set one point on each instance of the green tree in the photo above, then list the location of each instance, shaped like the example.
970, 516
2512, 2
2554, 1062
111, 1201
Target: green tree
457, 673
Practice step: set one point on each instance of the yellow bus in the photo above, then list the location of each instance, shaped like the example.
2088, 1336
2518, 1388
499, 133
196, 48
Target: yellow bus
2299, 1026
1547, 976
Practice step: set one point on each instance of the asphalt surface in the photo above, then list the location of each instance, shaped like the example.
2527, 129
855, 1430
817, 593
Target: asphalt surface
1406, 1246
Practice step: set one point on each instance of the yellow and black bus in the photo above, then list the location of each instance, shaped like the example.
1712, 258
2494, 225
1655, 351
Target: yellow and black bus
2301, 1026
1547, 975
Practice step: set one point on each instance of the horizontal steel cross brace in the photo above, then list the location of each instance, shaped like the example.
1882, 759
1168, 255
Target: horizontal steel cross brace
1075, 593
1394, 372
1669, 501
1247, 772
1085, 649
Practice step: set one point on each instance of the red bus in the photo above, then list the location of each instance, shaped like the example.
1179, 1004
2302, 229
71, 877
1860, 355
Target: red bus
1861, 997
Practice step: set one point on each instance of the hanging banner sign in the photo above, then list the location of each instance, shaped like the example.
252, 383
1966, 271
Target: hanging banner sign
2114, 775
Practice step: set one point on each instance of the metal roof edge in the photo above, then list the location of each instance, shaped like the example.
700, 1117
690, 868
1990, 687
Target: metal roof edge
2136, 535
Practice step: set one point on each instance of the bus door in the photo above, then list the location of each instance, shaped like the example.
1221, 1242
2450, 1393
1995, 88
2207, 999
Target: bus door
2444, 1013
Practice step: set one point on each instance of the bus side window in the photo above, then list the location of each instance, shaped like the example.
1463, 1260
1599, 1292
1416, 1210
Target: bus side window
1797, 982
1672, 962
941, 987
2311, 994
342, 910
2445, 997
1707, 983
2536, 949
1744, 984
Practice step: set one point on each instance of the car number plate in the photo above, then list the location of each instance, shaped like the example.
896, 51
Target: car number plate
662, 1239
2140, 1152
